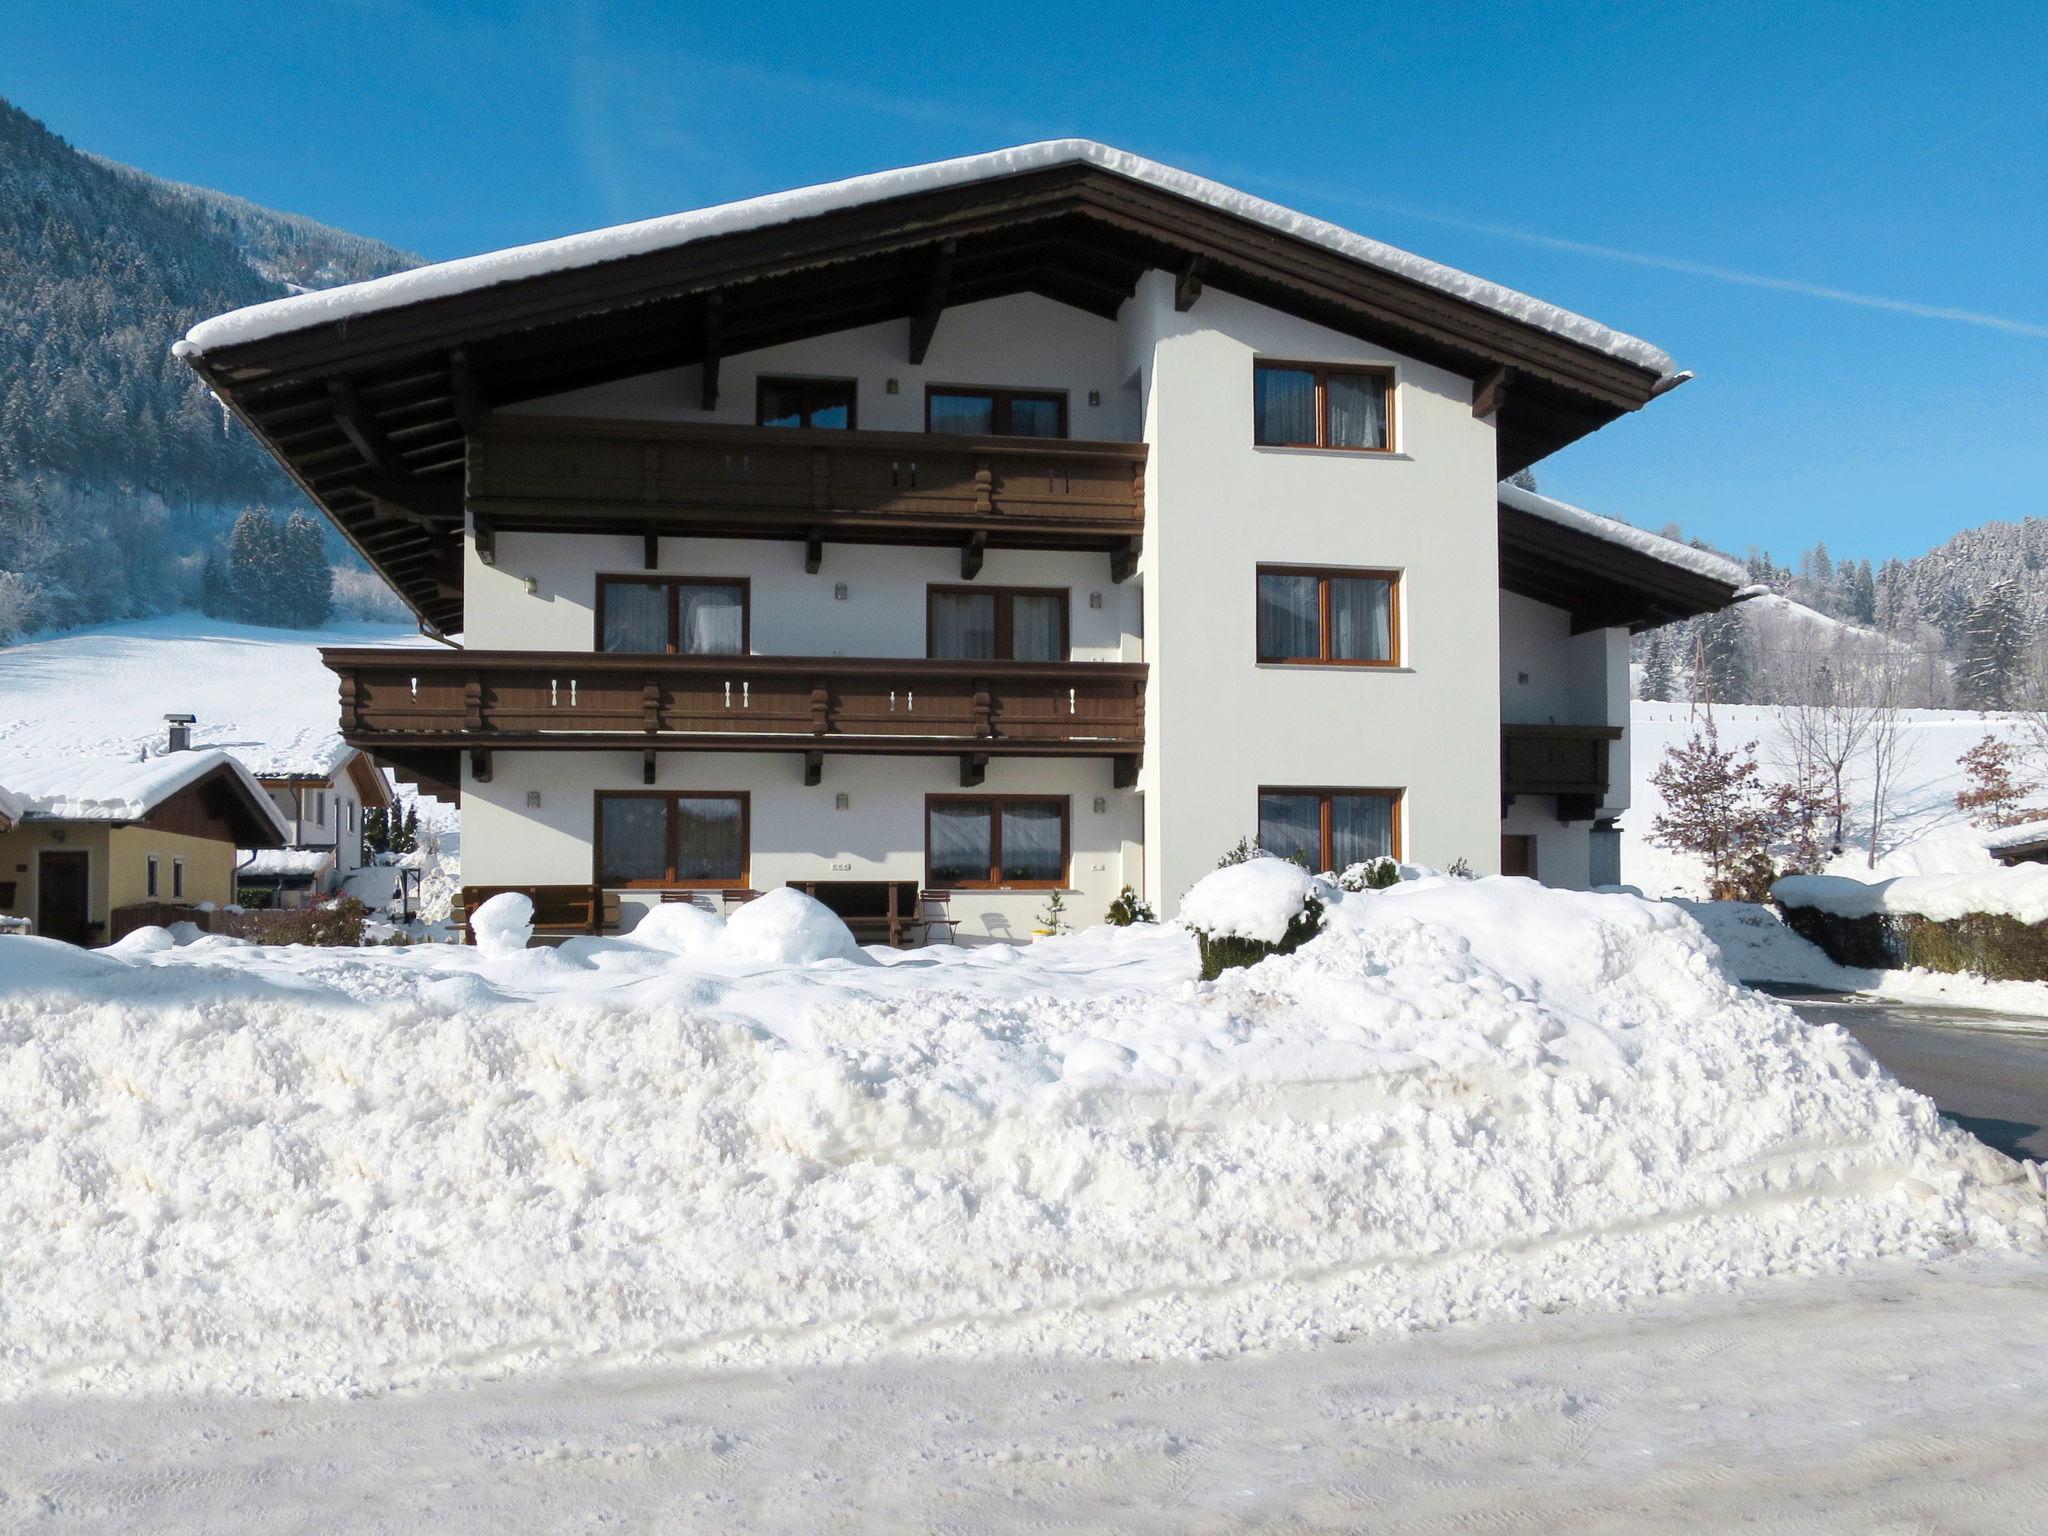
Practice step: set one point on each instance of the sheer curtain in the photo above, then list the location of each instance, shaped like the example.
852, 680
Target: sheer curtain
1035, 627
1033, 840
963, 626
1358, 409
710, 843
635, 829
971, 414
635, 616
1283, 406
1361, 828
711, 620
1291, 826
1361, 619
1290, 621
959, 849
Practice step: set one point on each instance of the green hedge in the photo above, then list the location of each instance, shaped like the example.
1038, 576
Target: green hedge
1984, 944
1220, 952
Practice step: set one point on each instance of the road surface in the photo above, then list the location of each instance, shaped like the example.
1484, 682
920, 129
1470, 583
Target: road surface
1992, 1081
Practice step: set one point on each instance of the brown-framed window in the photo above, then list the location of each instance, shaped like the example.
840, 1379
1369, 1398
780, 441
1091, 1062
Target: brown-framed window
996, 623
995, 412
675, 615
1304, 405
151, 888
827, 403
674, 838
989, 842
1311, 616
1330, 829
177, 879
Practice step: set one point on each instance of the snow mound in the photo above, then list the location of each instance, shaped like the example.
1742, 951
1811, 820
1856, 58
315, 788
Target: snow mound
2019, 892
503, 925
680, 928
786, 927
240, 1170
1253, 900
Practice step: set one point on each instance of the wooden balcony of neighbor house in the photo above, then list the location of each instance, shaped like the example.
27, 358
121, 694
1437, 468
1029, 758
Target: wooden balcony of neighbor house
1568, 761
400, 702
565, 475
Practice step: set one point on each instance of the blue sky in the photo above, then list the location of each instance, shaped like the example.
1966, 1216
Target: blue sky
1837, 216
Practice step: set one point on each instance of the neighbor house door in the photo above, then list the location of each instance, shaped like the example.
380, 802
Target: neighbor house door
63, 900
1518, 854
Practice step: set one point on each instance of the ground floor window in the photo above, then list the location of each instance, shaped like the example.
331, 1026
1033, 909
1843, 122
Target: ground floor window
984, 841
178, 879
152, 877
686, 838
1330, 828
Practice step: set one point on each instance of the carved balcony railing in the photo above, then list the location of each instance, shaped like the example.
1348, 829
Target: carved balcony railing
1568, 761
409, 699
559, 474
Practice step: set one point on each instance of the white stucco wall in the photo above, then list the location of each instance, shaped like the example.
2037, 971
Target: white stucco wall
798, 832
1218, 724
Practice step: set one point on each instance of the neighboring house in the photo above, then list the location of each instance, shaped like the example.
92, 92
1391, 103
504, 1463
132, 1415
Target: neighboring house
1045, 520
2024, 844
323, 801
94, 845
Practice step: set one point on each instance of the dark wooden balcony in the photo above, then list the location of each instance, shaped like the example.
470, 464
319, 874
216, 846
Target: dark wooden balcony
403, 702
1568, 761
564, 475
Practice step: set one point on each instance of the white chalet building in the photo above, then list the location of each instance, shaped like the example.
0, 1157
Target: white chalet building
1047, 519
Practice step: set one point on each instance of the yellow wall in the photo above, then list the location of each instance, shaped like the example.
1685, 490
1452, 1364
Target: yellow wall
209, 867
118, 865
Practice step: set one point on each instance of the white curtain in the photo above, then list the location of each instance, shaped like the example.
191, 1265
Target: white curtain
635, 616
711, 620
963, 626
710, 844
1290, 623
1361, 615
635, 831
1361, 828
1035, 627
1291, 827
960, 850
1283, 406
974, 415
1358, 409
1033, 839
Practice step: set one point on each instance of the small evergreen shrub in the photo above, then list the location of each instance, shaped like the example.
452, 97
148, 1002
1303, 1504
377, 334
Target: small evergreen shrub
1461, 869
1222, 952
1372, 875
1243, 853
1129, 908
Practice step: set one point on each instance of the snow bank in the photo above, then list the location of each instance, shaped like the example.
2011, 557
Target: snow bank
1257, 899
2018, 892
503, 926
251, 1169
441, 279
786, 927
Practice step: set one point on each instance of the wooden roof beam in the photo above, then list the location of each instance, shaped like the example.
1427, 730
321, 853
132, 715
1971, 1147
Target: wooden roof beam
469, 400
361, 429
714, 342
1187, 287
1491, 393
925, 324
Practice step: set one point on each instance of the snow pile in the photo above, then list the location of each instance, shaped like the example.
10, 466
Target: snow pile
2018, 892
786, 927
254, 1169
503, 926
1257, 899
441, 279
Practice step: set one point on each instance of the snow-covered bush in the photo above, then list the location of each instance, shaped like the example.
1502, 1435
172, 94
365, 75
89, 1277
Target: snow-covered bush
1246, 911
1129, 908
680, 927
1372, 875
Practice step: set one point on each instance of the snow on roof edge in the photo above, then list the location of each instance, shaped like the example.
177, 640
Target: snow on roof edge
1700, 562
81, 787
2020, 836
299, 311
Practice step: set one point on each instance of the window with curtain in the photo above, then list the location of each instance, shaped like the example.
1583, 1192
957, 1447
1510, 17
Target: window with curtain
987, 841
822, 403
1338, 617
995, 412
677, 615
1329, 829
683, 839
1298, 405
996, 624
177, 879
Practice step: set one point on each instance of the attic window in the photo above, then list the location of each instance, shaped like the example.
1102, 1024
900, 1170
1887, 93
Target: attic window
1303, 405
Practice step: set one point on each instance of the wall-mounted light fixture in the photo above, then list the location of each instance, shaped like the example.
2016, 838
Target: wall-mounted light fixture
1095, 397
533, 586
838, 591
533, 799
891, 387
1094, 599
1101, 804
842, 801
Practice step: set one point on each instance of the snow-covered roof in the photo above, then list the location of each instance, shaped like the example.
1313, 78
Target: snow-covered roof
2025, 835
10, 808
290, 863
64, 787
1700, 562
301, 311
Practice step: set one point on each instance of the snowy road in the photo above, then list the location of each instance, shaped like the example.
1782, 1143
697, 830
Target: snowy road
1908, 1399
1988, 1074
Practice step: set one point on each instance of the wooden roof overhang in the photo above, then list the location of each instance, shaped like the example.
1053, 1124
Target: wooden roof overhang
371, 413
1602, 584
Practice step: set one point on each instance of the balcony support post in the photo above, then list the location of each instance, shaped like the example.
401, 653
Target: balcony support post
1123, 771
973, 769
814, 769
647, 768
1123, 562
814, 552
480, 764
971, 555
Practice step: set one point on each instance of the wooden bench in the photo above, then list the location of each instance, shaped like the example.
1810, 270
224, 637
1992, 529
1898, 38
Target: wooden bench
559, 911
877, 911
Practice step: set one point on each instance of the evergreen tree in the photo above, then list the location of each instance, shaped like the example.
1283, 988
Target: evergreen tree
1863, 594
216, 596
310, 579
1721, 670
1996, 635
1658, 680
1820, 570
